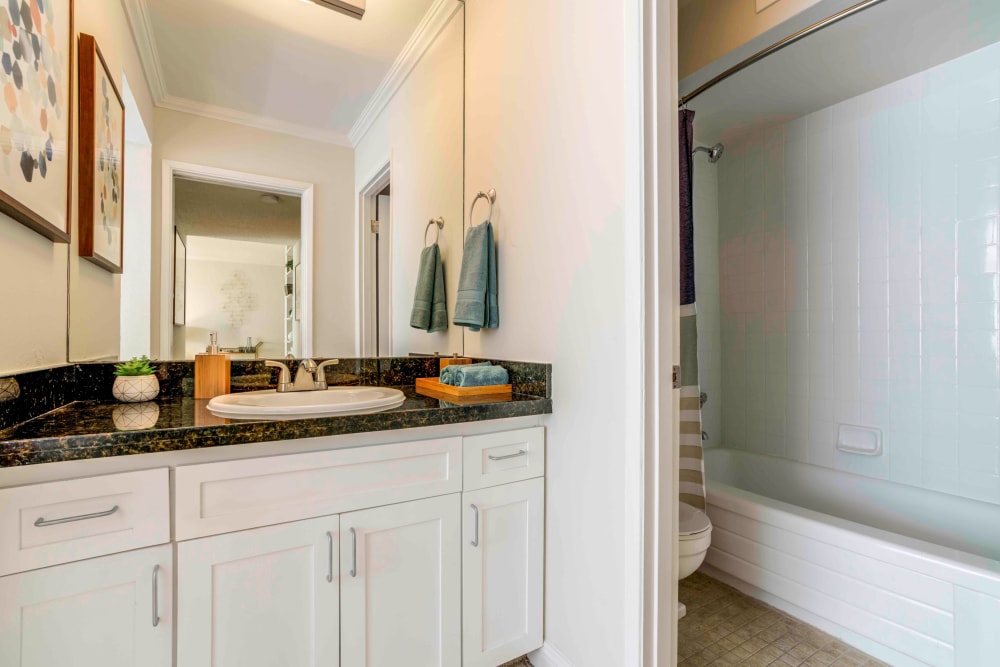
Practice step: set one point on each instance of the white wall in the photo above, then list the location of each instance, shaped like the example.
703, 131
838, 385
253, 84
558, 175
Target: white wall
706, 269
33, 296
420, 132
135, 280
94, 294
259, 269
859, 278
551, 141
205, 141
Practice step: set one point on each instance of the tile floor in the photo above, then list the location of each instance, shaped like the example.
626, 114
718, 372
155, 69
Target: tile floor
520, 662
725, 627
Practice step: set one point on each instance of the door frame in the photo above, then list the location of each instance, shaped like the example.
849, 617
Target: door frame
205, 174
652, 419
367, 316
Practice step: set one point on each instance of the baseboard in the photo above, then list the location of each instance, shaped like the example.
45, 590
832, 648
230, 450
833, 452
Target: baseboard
548, 656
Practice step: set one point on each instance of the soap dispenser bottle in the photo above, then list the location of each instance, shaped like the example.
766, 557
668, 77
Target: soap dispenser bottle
211, 370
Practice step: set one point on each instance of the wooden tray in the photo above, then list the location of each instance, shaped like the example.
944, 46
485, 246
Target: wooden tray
428, 385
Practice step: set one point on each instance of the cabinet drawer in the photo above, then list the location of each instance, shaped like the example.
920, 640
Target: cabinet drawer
60, 522
217, 498
501, 458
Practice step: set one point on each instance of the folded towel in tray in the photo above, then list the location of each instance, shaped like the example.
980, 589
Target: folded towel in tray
430, 309
475, 375
448, 372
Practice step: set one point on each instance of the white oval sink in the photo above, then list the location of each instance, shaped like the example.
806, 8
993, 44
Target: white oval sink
269, 404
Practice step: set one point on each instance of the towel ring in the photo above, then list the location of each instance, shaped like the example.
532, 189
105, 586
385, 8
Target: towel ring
440, 225
491, 196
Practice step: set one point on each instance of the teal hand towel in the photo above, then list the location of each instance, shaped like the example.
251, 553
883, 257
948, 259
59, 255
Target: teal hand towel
448, 372
477, 306
477, 376
430, 309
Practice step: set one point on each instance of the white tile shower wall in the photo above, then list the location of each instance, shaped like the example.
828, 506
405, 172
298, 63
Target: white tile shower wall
706, 267
858, 266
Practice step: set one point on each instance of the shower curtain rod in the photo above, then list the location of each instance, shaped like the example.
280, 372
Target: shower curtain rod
777, 46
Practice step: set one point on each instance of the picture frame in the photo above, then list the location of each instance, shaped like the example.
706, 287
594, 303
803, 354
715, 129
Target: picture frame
101, 164
180, 280
36, 120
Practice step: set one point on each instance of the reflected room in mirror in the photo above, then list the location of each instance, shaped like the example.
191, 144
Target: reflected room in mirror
241, 248
283, 205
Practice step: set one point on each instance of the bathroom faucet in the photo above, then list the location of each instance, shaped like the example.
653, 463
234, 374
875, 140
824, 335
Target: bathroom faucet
310, 376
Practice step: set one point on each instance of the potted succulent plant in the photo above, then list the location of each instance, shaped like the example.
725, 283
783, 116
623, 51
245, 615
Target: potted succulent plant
135, 381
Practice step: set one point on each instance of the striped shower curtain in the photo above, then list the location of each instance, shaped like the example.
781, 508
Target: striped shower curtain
692, 470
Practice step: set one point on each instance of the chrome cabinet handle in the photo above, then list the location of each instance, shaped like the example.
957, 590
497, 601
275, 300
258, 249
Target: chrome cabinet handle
508, 456
156, 595
354, 553
41, 522
475, 525
329, 568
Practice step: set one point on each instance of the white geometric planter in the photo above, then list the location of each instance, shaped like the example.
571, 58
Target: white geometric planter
135, 416
135, 388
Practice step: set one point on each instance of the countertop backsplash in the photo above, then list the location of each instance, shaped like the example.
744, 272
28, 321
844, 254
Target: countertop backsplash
45, 390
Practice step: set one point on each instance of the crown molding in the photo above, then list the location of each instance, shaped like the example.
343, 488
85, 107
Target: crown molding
434, 21
430, 26
228, 115
145, 43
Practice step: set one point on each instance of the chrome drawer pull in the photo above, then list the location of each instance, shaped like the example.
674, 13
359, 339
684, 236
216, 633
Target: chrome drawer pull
354, 553
156, 596
475, 534
41, 523
329, 569
509, 456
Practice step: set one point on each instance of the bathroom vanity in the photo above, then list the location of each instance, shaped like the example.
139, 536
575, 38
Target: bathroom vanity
263, 543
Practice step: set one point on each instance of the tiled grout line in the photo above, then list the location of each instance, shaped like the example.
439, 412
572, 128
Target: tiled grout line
726, 627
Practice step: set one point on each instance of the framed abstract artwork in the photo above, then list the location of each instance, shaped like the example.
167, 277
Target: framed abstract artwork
102, 142
36, 71
180, 280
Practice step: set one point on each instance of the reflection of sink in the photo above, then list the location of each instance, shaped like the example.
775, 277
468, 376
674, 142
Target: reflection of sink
269, 404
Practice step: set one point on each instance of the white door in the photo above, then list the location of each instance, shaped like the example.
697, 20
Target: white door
101, 612
502, 561
260, 598
400, 569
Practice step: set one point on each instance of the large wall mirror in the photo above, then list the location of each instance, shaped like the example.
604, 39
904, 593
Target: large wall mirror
285, 166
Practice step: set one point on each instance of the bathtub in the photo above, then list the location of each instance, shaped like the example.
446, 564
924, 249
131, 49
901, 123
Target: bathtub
909, 576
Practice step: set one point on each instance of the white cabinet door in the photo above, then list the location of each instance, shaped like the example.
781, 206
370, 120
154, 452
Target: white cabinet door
260, 598
400, 569
93, 613
502, 561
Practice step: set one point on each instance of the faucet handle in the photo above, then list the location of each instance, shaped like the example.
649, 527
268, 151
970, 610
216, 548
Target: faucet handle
284, 378
321, 371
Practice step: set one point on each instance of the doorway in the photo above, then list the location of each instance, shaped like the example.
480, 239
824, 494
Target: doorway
171, 342
237, 251
375, 261
383, 280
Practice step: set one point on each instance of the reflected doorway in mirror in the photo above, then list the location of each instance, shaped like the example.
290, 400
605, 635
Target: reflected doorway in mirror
173, 171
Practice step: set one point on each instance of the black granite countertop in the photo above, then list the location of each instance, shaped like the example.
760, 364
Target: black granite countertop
97, 429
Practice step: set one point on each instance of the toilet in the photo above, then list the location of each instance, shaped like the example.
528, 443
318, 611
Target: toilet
695, 536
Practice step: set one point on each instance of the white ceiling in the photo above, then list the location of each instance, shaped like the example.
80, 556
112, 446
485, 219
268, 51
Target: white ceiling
235, 214
875, 47
292, 62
